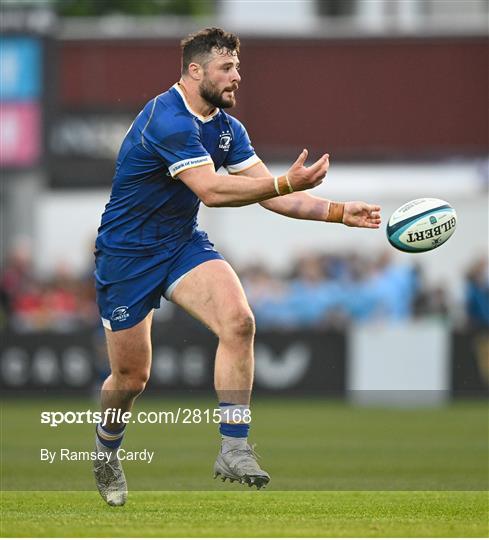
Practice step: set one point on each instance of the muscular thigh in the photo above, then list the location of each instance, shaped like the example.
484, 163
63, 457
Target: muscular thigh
130, 349
212, 293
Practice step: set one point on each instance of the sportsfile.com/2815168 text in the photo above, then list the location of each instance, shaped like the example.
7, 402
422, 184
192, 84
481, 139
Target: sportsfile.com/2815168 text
116, 416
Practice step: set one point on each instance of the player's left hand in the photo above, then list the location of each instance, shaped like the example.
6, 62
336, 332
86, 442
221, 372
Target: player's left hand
361, 214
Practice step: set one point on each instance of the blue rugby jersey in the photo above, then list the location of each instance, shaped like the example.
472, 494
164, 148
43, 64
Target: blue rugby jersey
151, 211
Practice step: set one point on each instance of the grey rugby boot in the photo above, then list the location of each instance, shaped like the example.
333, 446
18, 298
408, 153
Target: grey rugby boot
111, 481
239, 464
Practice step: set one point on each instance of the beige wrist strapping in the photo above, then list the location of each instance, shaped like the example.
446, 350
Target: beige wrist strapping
282, 185
335, 212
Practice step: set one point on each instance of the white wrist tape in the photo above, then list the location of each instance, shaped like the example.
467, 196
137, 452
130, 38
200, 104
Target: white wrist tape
275, 183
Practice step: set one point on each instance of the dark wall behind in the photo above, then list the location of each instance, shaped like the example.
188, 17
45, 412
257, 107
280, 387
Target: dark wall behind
375, 98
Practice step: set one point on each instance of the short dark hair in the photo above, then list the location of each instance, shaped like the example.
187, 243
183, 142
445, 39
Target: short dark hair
202, 42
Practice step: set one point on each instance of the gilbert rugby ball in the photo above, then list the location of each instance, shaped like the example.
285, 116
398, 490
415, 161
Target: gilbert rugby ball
421, 225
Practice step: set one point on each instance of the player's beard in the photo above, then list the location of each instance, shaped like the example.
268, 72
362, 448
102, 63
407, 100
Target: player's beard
209, 91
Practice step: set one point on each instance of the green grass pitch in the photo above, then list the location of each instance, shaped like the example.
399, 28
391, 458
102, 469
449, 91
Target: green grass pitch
337, 470
274, 514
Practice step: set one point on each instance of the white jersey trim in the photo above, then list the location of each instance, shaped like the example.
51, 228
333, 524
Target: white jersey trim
185, 164
106, 323
203, 119
149, 120
246, 164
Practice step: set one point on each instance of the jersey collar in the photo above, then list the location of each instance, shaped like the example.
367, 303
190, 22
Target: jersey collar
203, 119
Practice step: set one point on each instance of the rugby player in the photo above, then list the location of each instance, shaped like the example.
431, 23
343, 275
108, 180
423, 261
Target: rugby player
148, 244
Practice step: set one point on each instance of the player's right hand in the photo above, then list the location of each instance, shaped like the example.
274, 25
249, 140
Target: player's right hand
301, 177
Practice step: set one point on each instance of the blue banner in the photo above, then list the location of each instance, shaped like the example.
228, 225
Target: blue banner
20, 69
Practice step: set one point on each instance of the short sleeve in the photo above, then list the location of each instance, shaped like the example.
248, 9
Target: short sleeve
175, 139
241, 155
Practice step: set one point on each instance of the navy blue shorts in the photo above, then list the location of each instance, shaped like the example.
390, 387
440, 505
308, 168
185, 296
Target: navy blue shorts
128, 288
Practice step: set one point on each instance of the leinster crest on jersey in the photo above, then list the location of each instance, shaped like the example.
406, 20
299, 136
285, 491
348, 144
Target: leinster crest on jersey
225, 141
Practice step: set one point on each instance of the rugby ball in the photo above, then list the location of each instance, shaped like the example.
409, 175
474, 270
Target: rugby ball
421, 225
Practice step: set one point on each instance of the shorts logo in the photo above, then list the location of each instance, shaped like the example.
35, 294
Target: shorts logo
120, 314
225, 141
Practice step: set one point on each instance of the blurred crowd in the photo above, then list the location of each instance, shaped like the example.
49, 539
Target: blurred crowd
63, 302
323, 290
328, 290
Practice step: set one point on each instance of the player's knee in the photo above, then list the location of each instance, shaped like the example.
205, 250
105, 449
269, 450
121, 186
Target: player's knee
137, 386
132, 381
240, 325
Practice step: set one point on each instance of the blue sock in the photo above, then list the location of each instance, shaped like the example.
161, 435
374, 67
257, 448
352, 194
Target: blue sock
111, 438
235, 420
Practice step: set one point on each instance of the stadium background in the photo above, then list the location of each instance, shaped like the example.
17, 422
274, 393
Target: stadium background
380, 360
